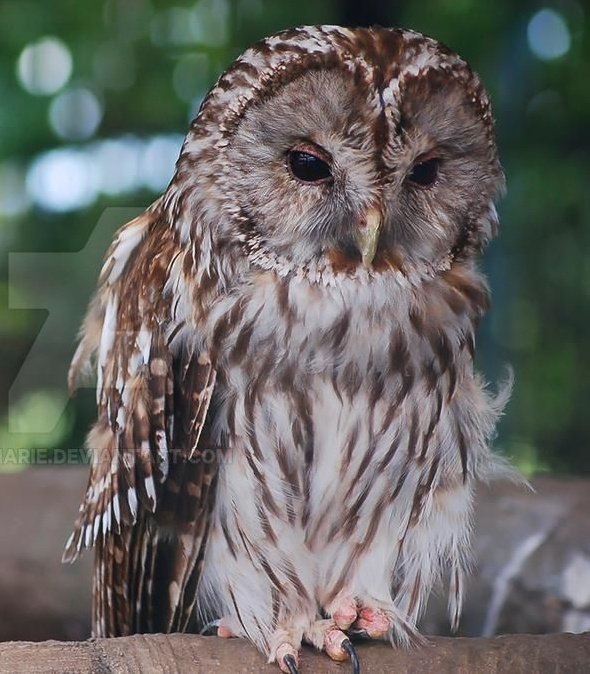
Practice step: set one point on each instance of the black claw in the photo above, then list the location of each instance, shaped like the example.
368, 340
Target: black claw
354, 658
289, 660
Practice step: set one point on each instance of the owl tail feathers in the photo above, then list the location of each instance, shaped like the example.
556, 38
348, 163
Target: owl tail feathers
146, 580
115, 494
113, 596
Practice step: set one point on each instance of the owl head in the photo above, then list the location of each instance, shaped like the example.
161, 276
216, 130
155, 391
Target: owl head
363, 149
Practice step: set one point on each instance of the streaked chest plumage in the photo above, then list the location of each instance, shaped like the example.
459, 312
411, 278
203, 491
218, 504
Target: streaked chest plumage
344, 416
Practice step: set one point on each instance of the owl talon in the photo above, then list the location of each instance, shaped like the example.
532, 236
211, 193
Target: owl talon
354, 658
325, 635
286, 657
291, 664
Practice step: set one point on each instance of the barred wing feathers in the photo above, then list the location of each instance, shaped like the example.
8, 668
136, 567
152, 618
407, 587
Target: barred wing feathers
149, 495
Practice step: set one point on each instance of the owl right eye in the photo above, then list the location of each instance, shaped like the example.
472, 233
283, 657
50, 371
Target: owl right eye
307, 166
425, 173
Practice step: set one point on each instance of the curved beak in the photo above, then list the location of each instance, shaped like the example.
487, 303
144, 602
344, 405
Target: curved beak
367, 235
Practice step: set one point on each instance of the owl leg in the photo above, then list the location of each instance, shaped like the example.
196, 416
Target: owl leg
326, 636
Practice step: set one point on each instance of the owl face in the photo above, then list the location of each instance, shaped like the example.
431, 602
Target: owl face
305, 165
376, 150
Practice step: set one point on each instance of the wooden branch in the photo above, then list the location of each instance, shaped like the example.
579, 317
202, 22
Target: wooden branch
144, 654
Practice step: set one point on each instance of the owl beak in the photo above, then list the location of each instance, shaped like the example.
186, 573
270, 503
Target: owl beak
367, 235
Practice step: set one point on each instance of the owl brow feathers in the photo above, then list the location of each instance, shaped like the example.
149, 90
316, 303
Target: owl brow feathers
374, 54
385, 59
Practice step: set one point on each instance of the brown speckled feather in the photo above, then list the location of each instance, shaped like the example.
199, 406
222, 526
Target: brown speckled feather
149, 492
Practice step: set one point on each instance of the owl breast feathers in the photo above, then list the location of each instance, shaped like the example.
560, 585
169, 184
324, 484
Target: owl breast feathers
289, 423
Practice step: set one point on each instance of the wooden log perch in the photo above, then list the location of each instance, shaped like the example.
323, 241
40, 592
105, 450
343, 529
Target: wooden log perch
144, 654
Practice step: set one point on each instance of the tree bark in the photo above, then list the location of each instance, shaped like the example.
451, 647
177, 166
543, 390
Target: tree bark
144, 654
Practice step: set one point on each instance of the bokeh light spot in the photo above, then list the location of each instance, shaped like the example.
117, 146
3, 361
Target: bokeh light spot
75, 114
159, 160
62, 180
44, 67
548, 35
72, 178
118, 164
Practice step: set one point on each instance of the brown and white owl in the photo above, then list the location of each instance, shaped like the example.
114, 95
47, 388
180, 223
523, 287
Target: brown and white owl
289, 422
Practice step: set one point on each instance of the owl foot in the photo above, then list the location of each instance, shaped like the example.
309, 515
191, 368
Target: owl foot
210, 628
370, 621
287, 658
381, 622
326, 635
374, 622
224, 630
219, 627
343, 611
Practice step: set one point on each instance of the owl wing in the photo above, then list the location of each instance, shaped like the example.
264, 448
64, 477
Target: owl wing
150, 492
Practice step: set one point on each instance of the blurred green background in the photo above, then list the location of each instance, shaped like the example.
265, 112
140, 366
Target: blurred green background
95, 99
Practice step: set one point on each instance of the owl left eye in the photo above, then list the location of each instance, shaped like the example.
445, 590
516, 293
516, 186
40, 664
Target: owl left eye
308, 167
425, 173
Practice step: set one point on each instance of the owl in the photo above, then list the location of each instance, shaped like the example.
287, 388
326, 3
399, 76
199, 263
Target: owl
289, 423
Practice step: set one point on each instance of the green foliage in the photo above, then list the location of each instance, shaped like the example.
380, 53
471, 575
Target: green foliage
148, 64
